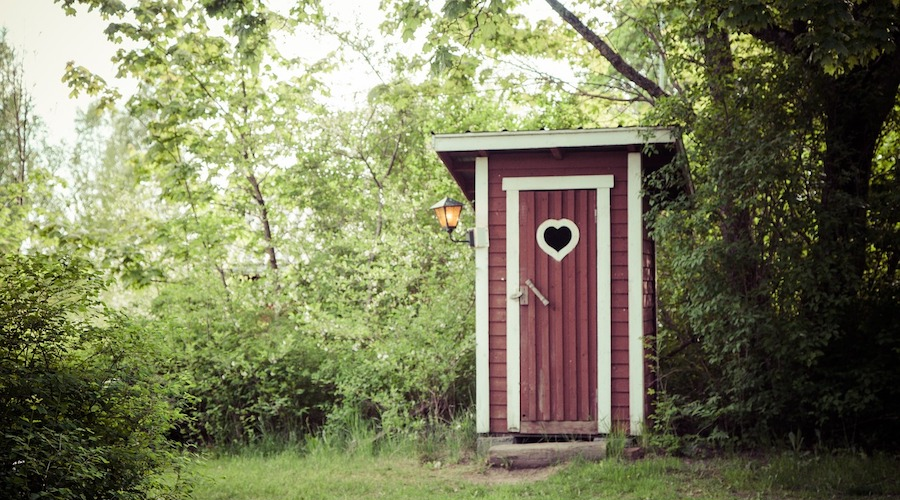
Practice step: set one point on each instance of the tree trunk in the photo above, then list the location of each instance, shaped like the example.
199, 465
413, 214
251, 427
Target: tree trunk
856, 106
256, 192
21, 107
737, 221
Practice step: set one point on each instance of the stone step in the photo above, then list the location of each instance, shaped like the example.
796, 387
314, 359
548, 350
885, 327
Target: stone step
533, 455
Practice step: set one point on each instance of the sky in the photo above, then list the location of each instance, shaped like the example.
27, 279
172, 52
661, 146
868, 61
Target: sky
46, 39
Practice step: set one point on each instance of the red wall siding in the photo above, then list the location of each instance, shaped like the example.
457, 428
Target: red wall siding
543, 164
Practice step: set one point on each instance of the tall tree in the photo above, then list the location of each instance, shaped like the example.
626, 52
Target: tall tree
221, 121
17, 148
785, 108
30, 205
357, 262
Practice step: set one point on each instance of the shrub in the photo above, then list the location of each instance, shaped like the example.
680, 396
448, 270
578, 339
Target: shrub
82, 414
244, 371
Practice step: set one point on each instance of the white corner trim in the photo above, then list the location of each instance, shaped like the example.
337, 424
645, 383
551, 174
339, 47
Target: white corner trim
604, 313
635, 296
482, 303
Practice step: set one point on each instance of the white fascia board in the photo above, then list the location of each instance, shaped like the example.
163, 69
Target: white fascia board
543, 139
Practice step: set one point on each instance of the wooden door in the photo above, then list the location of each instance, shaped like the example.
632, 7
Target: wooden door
558, 311
558, 370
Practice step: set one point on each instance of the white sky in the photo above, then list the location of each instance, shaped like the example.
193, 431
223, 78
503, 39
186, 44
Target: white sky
46, 39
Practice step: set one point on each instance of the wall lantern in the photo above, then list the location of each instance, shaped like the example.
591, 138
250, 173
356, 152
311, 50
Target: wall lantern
447, 212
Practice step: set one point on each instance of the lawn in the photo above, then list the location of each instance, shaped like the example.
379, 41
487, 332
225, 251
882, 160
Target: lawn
290, 475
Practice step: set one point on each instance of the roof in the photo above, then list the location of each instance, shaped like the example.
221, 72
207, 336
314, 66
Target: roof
458, 151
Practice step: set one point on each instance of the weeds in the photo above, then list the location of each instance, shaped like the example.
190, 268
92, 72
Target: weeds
451, 442
616, 442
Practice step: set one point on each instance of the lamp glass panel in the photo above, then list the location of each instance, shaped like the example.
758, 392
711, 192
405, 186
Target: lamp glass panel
441, 214
447, 212
451, 217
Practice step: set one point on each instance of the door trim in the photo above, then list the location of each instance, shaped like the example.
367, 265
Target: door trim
603, 184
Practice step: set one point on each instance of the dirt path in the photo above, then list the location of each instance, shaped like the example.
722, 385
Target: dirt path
491, 476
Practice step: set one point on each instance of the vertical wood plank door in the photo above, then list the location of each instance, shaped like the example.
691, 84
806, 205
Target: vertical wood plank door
558, 340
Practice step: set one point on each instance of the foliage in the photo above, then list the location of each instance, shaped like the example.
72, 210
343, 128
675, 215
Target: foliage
774, 305
15, 134
27, 178
245, 373
83, 416
775, 256
415, 366
387, 299
280, 250
275, 242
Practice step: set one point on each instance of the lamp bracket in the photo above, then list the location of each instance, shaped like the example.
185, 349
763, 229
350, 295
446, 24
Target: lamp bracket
470, 238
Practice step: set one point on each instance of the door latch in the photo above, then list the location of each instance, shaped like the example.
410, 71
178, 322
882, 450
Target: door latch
537, 293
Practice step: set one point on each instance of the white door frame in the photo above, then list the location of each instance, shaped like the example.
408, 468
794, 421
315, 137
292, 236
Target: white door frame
603, 184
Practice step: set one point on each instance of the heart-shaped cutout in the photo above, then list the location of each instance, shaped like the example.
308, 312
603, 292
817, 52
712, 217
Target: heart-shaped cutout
557, 237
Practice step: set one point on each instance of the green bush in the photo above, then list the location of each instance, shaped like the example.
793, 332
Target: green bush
415, 369
245, 372
82, 415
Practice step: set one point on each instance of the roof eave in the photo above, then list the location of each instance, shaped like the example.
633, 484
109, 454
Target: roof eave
546, 139
458, 151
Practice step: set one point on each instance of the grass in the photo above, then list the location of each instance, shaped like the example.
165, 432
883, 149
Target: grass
820, 476
352, 460
288, 476
398, 472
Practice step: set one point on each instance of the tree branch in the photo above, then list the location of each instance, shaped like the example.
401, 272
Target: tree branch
618, 63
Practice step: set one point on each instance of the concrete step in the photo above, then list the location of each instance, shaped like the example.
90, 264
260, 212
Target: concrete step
533, 455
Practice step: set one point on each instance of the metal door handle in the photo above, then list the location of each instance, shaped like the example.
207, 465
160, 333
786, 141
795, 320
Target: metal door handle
521, 295
537, 292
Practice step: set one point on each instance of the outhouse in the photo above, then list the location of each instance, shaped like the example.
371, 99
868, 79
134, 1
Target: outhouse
565, 276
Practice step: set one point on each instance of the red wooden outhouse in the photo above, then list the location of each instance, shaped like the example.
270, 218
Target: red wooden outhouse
565, 277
